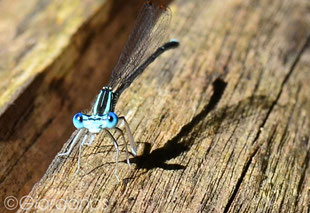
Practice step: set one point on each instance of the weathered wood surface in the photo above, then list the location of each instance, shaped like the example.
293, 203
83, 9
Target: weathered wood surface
222, 122
54, 57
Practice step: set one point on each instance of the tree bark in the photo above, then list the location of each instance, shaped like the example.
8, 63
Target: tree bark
221, 123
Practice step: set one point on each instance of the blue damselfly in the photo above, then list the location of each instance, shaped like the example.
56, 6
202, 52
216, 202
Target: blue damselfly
141, 49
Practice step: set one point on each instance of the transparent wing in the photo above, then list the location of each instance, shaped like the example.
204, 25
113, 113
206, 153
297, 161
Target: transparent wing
147, 35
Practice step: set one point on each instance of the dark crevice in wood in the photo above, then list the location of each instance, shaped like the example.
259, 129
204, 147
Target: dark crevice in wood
286, 78
247, 165
240, 180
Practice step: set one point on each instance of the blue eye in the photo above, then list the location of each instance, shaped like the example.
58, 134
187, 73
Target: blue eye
112, 120
78, 120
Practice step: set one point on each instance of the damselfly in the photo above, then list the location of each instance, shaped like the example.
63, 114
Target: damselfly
141, 49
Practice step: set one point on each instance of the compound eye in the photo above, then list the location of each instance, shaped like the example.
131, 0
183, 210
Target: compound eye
112, 120
78, 120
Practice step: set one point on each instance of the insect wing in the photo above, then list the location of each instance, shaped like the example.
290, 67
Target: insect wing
147, 35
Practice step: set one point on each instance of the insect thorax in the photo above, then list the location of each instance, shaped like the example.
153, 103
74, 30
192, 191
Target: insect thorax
105, 101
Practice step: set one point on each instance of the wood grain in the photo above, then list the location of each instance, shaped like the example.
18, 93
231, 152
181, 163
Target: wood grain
222, 122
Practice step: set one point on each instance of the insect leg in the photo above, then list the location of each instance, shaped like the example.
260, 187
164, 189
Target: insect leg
117, 153
133, 145
92, 137
75, 140
125, 144
79, 156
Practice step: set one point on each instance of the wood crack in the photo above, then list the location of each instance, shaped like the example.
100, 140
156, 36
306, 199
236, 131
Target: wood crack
247, 165
292, 68
240, 180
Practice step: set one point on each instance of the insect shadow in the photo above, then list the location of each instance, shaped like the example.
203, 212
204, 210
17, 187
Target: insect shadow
180, 143
173, 148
